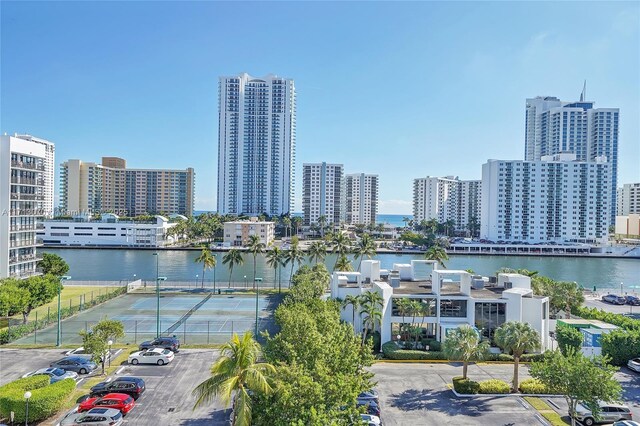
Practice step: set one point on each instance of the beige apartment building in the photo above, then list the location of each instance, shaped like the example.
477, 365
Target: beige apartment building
236, 234
109, 187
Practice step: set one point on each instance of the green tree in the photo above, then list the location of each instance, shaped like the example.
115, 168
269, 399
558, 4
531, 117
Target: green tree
53, 264
354, 301
414, 309
13, 299
563, 295
403, 305
621, 345
438, 254
275, 259
296, 222
365, 247
341, 246
286, 222
256, 247
578, 378
232, 258
464, 344
371, 304
517, 338
208, 261
238, 371
343, 264
42, 289
317, 251
568, 338
294, 255
96, 340
322, 223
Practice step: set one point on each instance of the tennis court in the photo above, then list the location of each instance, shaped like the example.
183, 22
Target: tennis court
203, 318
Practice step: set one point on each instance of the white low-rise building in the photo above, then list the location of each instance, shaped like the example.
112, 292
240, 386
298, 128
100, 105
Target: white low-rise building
450, 298
108, 231
236, 233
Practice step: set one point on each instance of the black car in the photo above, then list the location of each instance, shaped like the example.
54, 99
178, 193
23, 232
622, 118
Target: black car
132, 386
633, 300
370, 405
170, 343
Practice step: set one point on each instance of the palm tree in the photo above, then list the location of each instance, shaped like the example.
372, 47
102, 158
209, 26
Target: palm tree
255, 247
432, 225
296, 221
406, 221
286, 222
275, 258
294, 255
341, 246
322, 222
343, 264
236, 371
449, 225
354, 301
365, 247
231, 259
208, 261
438, 254
517, 338
371, 303
414, 309
317, 251
403, 306
464, 344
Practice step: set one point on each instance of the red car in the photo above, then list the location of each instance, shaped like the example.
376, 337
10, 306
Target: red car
117, 401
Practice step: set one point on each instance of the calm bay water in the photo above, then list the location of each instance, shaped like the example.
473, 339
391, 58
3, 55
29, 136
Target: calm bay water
178, 265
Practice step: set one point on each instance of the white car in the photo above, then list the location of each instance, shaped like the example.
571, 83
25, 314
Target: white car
634, 364
371, 420
152, 356
81, 352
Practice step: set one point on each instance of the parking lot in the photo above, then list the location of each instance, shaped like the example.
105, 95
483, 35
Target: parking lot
418, 394
167, 399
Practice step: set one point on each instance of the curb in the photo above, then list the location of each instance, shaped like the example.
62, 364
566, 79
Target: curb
475, 395
442, 361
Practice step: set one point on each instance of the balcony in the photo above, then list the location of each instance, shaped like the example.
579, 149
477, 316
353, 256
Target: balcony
25, 274
25, 258
27, 166
22, 228
25, 196
26, 181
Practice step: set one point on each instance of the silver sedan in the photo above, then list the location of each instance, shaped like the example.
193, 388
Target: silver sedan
56, 374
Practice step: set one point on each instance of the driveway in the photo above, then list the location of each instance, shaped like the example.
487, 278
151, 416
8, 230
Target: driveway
417, 394
16, 362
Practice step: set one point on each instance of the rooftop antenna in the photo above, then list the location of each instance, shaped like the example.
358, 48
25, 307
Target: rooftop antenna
583, 95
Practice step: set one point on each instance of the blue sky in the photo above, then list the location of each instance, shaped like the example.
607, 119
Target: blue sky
404, 90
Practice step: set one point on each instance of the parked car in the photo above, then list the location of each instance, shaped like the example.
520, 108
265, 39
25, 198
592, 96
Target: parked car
632, 300
94, 417
132, 386
56, 374
117, 401
626, 423
81, 352
152, 356
371, 420
171, 343
370, 405
78, 364
634, 364
370, 394
608, 413
614, 299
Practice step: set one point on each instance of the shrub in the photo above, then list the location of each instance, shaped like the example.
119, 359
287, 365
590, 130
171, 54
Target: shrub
500, 357
615, 319
391, 351
533, 386
531, 357
466, 386
568, 338
45, 399
433, 344
494, 386
621, 346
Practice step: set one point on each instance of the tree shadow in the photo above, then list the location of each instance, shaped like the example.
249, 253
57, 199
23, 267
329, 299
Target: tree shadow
268, 323
443, 401
217, 417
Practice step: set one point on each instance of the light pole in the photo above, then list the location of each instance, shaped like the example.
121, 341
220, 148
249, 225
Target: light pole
158, 279
196, 280
621, 289
257, 293
214, 273
27, 395
245, 282
110, 342
59, 334
134, 277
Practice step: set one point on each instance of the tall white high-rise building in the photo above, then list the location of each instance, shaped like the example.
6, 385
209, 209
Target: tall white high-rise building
555, 127
554, 199
256, 144
24, 190
323, 193
448, 199
361, 198
628, 199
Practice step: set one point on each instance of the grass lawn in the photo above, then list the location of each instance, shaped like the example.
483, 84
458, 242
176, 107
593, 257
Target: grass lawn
70, 294
546, 411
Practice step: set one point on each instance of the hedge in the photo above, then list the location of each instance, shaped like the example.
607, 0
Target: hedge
15, 332
533, 386
46, 399
615, 319
494, 386
465, 386
621, 346
391, 351
568, 338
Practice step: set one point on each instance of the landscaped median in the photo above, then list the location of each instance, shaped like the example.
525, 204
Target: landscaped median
392, 352
545, 411
46, 399
466, 388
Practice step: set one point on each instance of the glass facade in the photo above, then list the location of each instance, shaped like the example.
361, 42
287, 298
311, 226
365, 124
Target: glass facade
453, 308
489, 316
428, 307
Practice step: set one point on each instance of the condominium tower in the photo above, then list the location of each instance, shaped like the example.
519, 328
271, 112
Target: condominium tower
628, 199
24, 190
90, 188
555, 199
323, 193
554, 127
448, 199
361, 198
256, 144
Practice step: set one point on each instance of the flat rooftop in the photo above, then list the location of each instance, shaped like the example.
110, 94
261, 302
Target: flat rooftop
448, 289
